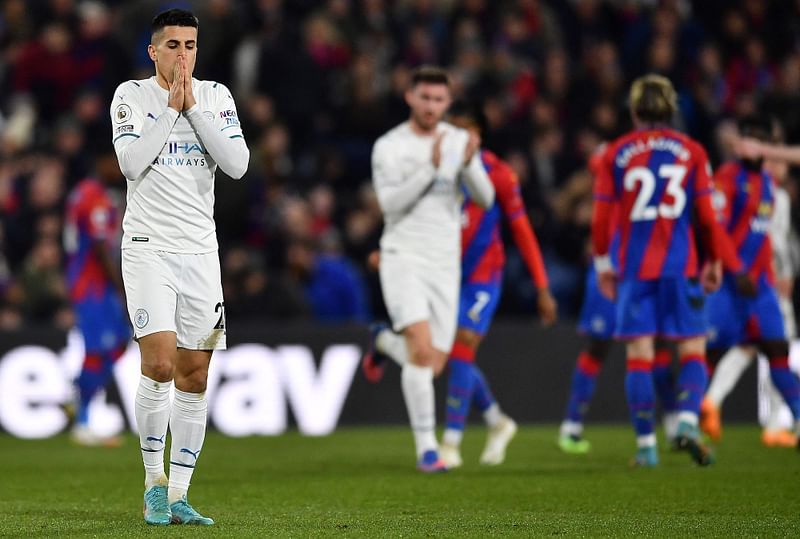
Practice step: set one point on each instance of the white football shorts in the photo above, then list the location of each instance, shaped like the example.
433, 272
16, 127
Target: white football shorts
176, 292
414, 290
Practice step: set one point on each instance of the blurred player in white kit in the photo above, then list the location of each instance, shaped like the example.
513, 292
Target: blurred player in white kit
419, 169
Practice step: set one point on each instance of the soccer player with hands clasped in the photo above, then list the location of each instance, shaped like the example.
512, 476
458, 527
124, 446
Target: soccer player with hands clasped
419, 169
171, 132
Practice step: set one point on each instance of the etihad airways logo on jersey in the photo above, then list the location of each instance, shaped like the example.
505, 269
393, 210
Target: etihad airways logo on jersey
182, 154
185, 148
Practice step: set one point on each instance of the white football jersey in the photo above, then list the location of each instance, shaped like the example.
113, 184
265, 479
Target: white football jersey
780, 233
170, 201
428, 222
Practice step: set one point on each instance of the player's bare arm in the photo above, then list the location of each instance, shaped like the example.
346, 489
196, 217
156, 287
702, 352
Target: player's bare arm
547, 306
751, 148
606, 277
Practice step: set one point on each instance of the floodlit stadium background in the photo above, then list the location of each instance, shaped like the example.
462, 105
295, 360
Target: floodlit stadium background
316, 82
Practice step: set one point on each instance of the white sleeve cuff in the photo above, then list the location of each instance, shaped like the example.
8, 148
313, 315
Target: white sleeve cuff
195, 108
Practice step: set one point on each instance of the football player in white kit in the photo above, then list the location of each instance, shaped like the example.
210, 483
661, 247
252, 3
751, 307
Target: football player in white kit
170, 133
418, 169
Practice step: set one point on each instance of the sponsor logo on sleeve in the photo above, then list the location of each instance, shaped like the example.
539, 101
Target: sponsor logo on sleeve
229, 116
127, 128
122, 114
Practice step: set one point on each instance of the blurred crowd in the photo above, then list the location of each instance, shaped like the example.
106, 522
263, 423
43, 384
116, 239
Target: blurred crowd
317, 81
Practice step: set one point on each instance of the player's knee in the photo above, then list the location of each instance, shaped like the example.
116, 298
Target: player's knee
423, 354
640, 348
468, 338
439, 362
423, 358
193, 381
158, 368
695, 346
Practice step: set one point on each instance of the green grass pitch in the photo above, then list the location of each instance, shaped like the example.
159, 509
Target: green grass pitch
362, 483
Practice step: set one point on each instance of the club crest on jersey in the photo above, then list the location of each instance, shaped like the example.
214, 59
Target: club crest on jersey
141, 318
598, 324
122, 114
208, 114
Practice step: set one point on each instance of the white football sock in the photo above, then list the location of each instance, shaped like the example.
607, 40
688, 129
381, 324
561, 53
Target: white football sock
492, 415
188, 426
688, 417
646, 440
453, 437
417, 385
776, 403
151, 408
728, 371
393, 345
671, 421
571, 428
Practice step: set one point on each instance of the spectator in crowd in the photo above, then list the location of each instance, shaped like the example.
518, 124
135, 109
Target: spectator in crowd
333, 286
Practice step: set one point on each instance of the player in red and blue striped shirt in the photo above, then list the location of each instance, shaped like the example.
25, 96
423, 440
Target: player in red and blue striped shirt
482, 262
747, 196
91, 228
598, 323
658, 180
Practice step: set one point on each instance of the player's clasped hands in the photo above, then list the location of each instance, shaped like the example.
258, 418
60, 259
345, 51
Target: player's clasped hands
176, 93
436, 154
181, 96
473, 143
